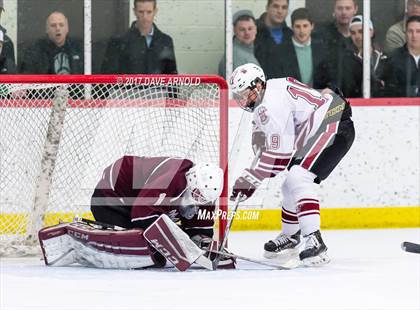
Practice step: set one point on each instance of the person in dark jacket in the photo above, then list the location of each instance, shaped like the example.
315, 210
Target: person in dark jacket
7, 52
336, 34
402, 69
302, 57
144, 49
6, 63
56, 53
272, 32
350, 81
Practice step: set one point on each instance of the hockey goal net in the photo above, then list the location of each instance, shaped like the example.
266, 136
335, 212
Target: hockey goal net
58, 133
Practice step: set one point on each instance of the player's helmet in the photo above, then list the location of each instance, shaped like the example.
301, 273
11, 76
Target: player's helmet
205, 182
243, 83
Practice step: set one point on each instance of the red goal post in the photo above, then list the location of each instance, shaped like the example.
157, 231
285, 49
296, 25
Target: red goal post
58, 132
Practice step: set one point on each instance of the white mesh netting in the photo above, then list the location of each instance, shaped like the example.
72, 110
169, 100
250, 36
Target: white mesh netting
116, 120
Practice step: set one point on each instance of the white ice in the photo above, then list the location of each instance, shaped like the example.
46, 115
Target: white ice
368, 271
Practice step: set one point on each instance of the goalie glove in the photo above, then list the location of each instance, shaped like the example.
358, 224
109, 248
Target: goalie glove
208, 244
202, 241
246, 184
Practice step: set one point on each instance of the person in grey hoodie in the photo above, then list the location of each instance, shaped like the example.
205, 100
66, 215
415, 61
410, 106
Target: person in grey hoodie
245, 31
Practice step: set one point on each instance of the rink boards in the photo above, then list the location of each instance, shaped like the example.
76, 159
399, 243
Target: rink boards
376, 184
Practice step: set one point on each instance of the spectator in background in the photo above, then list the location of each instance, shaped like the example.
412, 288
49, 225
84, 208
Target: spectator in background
144, 49
56, 53
336, 34
395, 36
272, 31
302, 57
7, 53
350, 81
402, 68
6, 66
245, 31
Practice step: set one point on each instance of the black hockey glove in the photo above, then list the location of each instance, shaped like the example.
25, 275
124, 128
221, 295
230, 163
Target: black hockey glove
246, 184
258, 141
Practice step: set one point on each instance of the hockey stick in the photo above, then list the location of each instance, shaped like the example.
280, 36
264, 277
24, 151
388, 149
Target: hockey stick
411, 247
230, 220
103, 225
258, 262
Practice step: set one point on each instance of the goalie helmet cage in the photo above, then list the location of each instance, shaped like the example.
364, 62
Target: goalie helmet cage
58, 133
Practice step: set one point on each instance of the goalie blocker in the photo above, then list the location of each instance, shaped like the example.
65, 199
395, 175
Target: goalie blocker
87, 245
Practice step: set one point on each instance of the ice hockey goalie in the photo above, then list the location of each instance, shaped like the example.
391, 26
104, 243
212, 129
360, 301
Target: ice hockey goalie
136, 204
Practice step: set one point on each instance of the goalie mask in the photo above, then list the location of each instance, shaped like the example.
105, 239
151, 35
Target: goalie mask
205, 183
243, 84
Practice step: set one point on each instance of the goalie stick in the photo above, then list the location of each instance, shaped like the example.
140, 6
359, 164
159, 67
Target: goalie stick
292, 264
411, 247
230, 220
96, 223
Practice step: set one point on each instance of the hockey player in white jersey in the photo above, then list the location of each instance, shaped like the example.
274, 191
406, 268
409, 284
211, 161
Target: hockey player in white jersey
300, 130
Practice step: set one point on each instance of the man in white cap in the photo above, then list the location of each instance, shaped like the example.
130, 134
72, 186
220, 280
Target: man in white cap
351, 77
7, 51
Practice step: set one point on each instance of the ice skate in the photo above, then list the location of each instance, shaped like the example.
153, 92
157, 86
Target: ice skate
315, 252
283, 247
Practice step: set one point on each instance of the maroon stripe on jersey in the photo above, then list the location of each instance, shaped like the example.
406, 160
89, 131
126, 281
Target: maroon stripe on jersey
275, 154
301, 135
319, 146
271, 163
288, 217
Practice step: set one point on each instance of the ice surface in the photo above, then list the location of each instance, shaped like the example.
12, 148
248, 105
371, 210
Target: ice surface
368, 271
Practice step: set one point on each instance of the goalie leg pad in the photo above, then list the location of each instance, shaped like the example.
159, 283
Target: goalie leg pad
70, 243
167, 238
56, 245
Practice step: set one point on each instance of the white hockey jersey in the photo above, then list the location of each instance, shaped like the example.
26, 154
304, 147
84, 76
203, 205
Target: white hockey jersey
289, 115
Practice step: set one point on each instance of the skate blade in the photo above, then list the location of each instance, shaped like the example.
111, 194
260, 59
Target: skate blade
318, 260
283, 256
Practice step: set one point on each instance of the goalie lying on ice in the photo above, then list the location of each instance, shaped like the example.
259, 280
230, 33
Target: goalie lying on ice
139, 199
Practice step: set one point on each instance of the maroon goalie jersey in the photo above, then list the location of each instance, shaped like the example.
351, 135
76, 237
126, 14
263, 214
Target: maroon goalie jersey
148, 187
